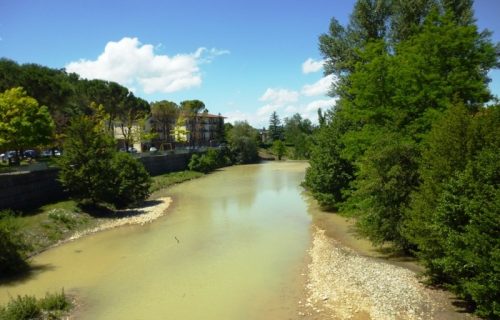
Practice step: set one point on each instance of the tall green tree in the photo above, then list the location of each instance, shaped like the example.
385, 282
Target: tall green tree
164, 114
23, 123
297, 132
275, 127
243, 142
94, 172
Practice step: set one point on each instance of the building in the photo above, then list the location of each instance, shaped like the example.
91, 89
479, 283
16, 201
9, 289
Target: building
204, 129
201, 129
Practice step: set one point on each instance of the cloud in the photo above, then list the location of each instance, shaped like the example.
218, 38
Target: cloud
135, 65
323, 104
321, 87
311, 65
278, 97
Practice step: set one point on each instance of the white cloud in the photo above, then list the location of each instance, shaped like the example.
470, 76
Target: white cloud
134, 64
323, 104
279, 97
311, 65
321, 87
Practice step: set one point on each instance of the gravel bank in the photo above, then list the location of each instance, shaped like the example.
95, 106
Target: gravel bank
152, 210
345, 285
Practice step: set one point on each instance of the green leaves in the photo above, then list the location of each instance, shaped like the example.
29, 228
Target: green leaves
23, 123
93, 171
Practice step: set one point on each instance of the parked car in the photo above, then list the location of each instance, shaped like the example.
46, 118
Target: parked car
49, 153
30, 154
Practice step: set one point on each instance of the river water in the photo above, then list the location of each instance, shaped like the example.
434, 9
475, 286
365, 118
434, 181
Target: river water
232, 245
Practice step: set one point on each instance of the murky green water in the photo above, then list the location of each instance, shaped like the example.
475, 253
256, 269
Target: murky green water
231, 247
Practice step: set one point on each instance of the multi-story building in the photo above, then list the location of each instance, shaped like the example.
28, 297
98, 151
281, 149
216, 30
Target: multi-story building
204, 129
201, 129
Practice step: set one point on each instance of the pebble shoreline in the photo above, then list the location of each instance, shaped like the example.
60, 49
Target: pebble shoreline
140, 216
342, 284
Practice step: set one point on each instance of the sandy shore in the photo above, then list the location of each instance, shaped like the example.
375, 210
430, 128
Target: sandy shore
342, 284
151, 211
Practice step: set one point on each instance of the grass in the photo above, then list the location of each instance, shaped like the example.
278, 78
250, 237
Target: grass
52, 306
53, 222
169, 179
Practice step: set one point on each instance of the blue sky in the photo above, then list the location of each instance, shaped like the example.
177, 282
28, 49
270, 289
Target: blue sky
244, 59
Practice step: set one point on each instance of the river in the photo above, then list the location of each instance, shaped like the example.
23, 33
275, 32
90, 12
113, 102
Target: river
232, 245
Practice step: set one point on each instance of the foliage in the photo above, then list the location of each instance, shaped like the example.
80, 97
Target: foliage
297, 132
275, 127
387, 176
211, 160
243, 142
169, 179
55, 302
279, 148
329, 174
85, 163
21, 308
408, 134
93, 171
52, 306
164, 115
130, 182
453, 218
13, 247
23, 123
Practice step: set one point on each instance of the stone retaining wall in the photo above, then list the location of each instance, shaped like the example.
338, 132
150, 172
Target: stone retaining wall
25, 190
31, 189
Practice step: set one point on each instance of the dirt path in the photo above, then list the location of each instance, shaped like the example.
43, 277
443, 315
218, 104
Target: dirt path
343, 284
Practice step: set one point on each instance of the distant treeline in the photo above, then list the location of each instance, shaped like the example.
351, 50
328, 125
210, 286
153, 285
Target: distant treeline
411, 149
66, 95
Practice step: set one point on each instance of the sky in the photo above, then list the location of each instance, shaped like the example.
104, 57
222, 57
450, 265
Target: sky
243, 59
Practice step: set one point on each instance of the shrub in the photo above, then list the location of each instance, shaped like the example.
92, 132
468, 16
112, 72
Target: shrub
213, 159
131, 181
55, 302
93, 171
13, 247
20, 308
28, 307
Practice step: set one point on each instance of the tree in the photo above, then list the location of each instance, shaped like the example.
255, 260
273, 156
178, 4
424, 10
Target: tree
13, 246
453, 218
243, 142
164, 114
297, 132
23, 123
130, 116
279, 148
94, 172
275, 127
329, 175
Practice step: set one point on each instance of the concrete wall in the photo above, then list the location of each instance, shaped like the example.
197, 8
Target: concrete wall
161, 164
24, 190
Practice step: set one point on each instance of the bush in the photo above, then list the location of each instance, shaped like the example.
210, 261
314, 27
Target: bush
93, 171
28, 307
213, 159
13, 247
55, 302
20, 308
130, 179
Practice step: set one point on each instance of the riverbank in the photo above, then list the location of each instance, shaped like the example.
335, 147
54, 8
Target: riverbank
343, 284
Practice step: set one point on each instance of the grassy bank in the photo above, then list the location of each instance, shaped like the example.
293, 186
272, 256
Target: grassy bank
166, 180
52, 306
